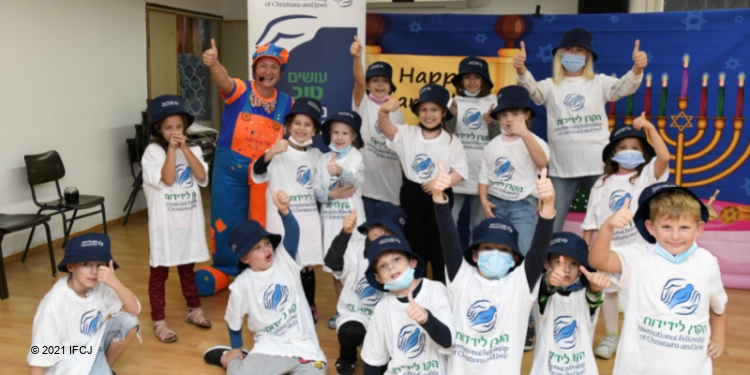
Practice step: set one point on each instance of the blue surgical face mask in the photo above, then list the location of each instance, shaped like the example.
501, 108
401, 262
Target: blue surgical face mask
676, 259
495, 264
401, 282
573, 63
472, 94
629, 159
340, 153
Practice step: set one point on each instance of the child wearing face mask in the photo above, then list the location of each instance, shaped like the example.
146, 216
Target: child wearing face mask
574, 97
630, 165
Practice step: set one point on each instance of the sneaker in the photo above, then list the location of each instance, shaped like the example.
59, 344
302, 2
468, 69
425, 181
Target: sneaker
530, 338
607, 346
314, 311
332, 321
343, 367
213, 355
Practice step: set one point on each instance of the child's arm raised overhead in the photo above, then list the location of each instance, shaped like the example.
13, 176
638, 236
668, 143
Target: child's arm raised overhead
601, 256
662, 153
534, 263
334, 258
218, 71
291, 227
629, 82
388, 128
358, 71
446, 225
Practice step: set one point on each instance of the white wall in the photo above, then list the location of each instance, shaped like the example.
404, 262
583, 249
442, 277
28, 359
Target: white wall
73, 78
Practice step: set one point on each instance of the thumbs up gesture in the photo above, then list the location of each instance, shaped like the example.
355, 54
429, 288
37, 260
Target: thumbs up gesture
355, 49
105, 274
556, 277
333, 168
488, 115
414, 311
597, 281
519, 60
440, 183
640, 59
640, 122
621, 218
350, 221
391, 105
211, 55
280, 200
546, 195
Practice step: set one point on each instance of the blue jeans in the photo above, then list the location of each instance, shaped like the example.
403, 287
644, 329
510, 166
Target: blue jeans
522, 214
565, 191
117, 327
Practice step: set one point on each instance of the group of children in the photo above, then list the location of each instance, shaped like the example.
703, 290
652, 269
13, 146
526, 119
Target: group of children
472, 315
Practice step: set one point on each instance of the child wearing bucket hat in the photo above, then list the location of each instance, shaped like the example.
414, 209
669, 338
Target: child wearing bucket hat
630, 165
348, 260
420, 148
252, 120
474, 126
173, 173
371, 90
413, 323
671, 288
90, 309
570, 293
289, 165
574, 97
491, 284
269, 292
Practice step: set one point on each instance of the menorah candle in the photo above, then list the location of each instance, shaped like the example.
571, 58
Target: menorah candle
720, 105
629, 109
612, 103
685, 75
663, 101
647, 103
704, 95
740, 93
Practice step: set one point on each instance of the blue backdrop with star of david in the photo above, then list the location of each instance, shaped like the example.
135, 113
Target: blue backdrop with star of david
715, 40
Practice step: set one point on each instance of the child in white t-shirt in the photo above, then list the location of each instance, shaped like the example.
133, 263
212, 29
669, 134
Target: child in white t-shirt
630, 165
672, 295
371, 90
570, 293
269, 292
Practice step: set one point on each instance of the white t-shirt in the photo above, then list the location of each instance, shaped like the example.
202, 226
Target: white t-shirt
276, 308
666, 327
474, 134
577, 126
358, 299
608, 196
564, 336
419, 156
65, 319
508, 170
395, 339
383, 178
491, 318
332, 212
293, 172
176, 227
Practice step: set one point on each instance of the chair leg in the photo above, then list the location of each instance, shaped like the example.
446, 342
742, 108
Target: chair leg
66, 228
3, 278
137, 184
104, 219
28, 243
51, 250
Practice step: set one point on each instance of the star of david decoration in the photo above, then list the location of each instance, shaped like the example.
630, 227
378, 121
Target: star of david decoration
676, 123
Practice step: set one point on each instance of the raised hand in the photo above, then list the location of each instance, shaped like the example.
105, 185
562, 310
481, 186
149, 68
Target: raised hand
350, 221
281, 145
333, 168
280, 200
545, 188
355, 49
597, 281
640, 59
211, 55
106, 274
622, 217
177, 141
391, 105
519, 59
414, 311
487, 115
640, 122
556, 278
517, 127
441, 182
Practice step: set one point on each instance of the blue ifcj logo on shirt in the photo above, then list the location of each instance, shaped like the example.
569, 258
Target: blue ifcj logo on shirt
275, 297
90, 321
367, 295
473, 119
574, 102
617, 200
304, 176
680, 296
334, 182
482, 316
423, 165
565, 332
411, 340
504, 169
184, 176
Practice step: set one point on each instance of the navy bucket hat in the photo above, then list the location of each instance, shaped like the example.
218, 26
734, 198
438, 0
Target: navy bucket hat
388, 215
390, 243
245, 236
89, 247
643, 213
471, 65
511, 97
165, 106
381, 69
572, 245
435, 93
623, 132
577, 37
494, 230
307, 106
350, 118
